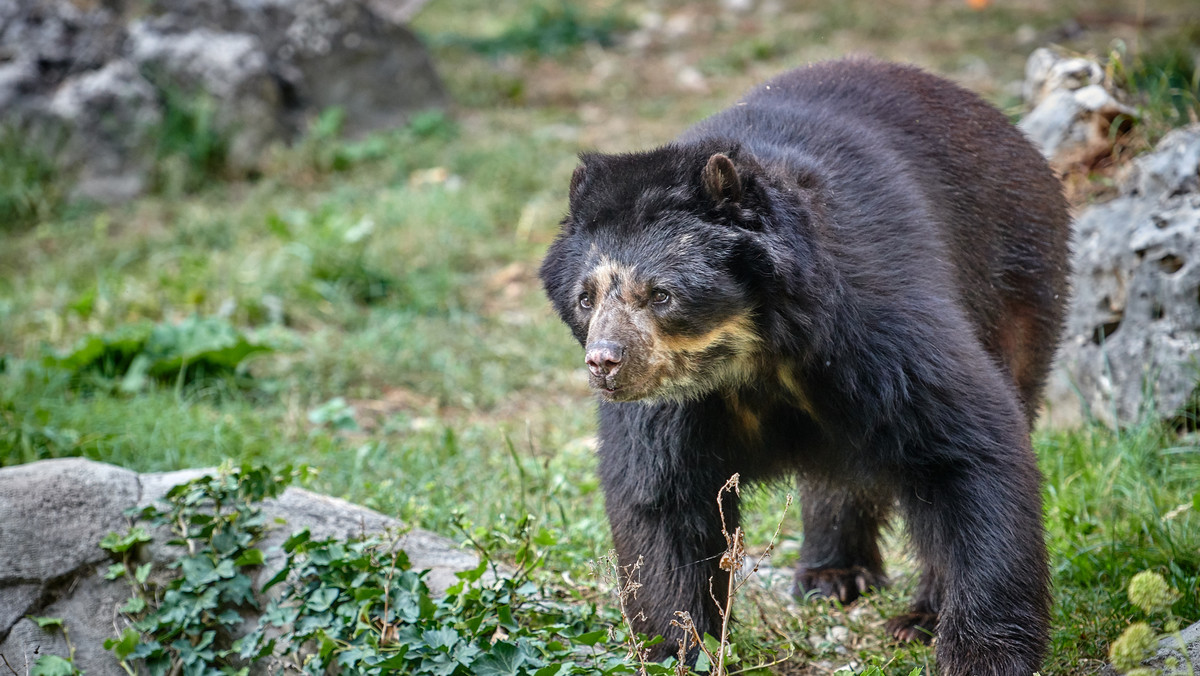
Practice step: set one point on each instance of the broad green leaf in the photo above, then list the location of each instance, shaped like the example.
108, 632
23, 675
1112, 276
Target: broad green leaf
117, 543
591, 638
125, 645
321, 599
250, 557
52, 665
134, 605
504, 659
440, 638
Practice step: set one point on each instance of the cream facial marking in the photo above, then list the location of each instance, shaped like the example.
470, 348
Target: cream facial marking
609, 278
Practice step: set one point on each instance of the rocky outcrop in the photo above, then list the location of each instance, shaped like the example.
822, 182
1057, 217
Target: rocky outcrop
54, 513
264, 66
1132, 344
1074, 107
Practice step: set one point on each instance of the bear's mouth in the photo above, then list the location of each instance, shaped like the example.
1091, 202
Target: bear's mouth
612, 390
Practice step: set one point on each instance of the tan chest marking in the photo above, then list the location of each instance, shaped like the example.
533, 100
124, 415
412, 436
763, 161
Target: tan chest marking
796, 394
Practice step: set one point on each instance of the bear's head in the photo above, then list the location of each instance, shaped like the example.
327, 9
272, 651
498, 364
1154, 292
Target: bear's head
660, 269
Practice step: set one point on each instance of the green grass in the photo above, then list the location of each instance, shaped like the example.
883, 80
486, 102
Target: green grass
1165, 78
398, 272
30, 185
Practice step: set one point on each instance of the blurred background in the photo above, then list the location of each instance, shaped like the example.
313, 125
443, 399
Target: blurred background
308, 232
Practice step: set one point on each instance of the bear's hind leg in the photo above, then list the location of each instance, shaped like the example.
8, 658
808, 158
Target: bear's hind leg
919, 623
840, 557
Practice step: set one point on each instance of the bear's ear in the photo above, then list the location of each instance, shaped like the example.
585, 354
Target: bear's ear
577, 179
721, 180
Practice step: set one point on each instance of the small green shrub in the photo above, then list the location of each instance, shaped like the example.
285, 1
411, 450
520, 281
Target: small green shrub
187, 622
133, 355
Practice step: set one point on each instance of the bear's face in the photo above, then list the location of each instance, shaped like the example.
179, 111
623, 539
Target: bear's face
648, 280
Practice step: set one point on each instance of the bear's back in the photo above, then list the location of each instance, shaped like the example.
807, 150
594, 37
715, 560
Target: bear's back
919, 169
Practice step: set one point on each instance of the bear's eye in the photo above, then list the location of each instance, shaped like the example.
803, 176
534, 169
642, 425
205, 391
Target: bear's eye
661, 297
585, 301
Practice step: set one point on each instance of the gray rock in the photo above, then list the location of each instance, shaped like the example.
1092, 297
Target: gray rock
1132, 343
1170, 647
54, 513
92, 597
27, 641
331, 53
1074, 108
1046, 72
1170, 170
113, 114
231, 69
16, 601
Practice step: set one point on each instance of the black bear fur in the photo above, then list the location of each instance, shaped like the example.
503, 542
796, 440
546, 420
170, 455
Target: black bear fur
856, 275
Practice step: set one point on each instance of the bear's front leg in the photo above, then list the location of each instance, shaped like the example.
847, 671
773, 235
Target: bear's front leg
661, 476
976, 519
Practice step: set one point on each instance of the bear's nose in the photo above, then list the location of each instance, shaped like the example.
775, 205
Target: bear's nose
604, 358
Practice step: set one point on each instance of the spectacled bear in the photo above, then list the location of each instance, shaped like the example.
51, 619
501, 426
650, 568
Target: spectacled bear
856, 275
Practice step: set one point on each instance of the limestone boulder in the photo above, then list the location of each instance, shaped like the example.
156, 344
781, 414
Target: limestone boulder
1074, 108
109, 117
1132, 345
328, 53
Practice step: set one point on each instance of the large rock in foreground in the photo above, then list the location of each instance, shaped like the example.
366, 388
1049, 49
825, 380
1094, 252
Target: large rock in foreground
54, 513
1132, 345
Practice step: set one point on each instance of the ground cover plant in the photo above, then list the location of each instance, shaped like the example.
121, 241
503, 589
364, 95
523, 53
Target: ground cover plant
396, 273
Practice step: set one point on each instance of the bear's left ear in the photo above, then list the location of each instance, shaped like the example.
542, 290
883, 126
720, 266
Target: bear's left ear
720, 179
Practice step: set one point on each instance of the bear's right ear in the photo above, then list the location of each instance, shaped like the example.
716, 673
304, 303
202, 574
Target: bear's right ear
577, 180
721, 180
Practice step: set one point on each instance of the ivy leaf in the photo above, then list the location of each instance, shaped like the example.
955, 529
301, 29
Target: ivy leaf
53, 665
124, 646
321, 599
119, 544
396, 660
504, 613
505, 659
44, 622
250, 557
475, 573
133, 606
591, 638
440, 638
